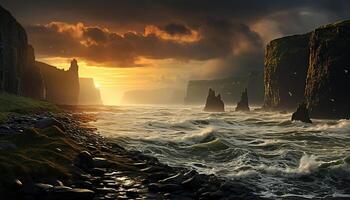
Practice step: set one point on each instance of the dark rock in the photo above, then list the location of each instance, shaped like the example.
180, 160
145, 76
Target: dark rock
229, 88
311, 67
17, 73
47, 122
40, 188
6, 145
301, 114
67, 193
286, 65
62, 87
101, 162
84, 160
98, 171
243, 104
214, 103
328, 78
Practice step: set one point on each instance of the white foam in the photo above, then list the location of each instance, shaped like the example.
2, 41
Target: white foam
196, 137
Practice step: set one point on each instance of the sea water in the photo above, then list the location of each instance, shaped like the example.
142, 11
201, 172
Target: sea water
266, 151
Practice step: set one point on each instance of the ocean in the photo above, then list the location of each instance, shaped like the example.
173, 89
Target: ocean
276, 157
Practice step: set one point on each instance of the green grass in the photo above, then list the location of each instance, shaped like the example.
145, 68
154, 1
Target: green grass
22, 105
40, 155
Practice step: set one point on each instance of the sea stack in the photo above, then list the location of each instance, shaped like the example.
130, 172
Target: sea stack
302, 114
214, 103
243, 104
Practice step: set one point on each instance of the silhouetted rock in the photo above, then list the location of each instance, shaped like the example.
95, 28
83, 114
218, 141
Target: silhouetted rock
229, 88
61, 87
327, 89
286, 64
313, 67
214, 103
18, 75
243, 104
301, 114
89, 94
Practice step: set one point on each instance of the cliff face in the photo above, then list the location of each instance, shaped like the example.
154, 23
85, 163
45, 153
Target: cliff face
89, 94
286, 64
230, 89
311, 68
17, 73
327, 89
61, 87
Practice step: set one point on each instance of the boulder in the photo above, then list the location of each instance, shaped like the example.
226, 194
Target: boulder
301, 114
84, 160
243, 104
214, 103
47, 122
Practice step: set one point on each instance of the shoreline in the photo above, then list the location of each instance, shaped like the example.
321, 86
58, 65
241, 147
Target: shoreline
101, 169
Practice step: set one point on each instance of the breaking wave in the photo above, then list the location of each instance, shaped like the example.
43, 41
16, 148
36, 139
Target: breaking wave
278, 158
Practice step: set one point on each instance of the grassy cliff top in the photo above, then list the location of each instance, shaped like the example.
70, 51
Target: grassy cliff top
22, 105
336, 24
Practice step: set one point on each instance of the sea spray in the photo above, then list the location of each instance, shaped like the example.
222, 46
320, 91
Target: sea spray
264, 150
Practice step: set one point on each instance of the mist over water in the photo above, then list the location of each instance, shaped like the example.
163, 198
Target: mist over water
266, 151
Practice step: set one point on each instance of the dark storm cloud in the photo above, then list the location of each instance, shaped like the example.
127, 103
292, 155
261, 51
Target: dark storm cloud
218, 39
176, 29
159, 29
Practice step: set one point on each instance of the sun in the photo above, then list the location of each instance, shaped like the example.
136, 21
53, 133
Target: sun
97, 85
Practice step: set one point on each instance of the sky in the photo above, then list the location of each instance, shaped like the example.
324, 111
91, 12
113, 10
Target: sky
149, 44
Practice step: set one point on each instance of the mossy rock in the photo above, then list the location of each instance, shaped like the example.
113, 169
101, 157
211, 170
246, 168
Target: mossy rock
40, 155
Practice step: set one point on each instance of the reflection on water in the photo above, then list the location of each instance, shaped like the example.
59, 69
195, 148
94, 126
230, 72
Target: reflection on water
268, 152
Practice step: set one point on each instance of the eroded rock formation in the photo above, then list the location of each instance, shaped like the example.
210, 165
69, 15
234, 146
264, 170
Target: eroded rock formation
301, 114
61, 87
229, 88
18, 75
286, 64
89, 94
214, 102
313, 68
327, 89
243, 104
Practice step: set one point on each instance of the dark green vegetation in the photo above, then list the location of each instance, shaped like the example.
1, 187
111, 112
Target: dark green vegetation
38, 155
12, 104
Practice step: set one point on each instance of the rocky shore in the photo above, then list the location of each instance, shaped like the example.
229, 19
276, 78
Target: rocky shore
96, 168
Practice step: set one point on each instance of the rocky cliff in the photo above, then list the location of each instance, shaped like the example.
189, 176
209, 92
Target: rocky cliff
286, 64
230, 89
18, 75
314, 68
327, 89
61, 87
89, 94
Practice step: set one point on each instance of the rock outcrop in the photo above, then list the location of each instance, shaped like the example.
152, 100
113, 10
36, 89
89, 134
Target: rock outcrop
301, 114
214, 103
229, 88
243, 104
61, 87
327, 89
286, 64
18, 75
313, 68
89, 94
